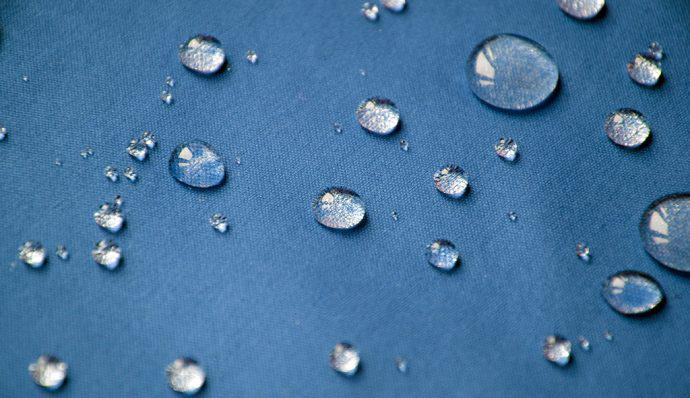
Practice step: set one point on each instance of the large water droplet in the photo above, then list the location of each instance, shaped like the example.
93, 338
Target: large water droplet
185, 376
197, 164
442, 254
394, 5
511, 72
48, 372
202, 54
644, 71
665, 231
344, 359
32, 254
378, 116
632, 292
557, 350
451, 181
581, 9
338, 208
107, 254
627, 128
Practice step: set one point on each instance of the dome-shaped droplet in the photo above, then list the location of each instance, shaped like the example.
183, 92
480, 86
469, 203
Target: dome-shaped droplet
185, 376
581, 9
344, 359
202, 54
632, 292
394, 5
451, 181
48, 372
32, 254
107, 253
644, 71
665, 231
627, 128
557, 350
511, 72
339, 208
378, 116
442, 254
197, 164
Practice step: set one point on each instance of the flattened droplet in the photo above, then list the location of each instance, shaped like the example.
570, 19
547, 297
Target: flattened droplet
644, 71
665, 231
378, 116
451, 181
632, 293
48, 372
185, 376
511, 72
627, 128
197, 164
344, 359
442, 254
338, 208
557, 350
202, 54
581, 9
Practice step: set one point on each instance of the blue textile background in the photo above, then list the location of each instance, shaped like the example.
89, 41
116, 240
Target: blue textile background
261, 306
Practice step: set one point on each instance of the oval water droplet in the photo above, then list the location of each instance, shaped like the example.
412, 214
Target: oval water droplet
627, 128
511, 72
202, 54
644, 71
442, 254
185, 376
665, 231
632, 292
339, 208
581, 9
378, 116
344, 359
557, 350
197, 164
48, 372
451, 181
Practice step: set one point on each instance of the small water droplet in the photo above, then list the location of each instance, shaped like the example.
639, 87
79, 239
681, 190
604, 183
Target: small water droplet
506, 149
337, 128
130, 174
167, 97
512, 216
370, 11
644, 71
25, 78
654, 51
608, 336
219, 222
394, 215
582, 252
57, 162
394, 5
186, 376
169, 81
202, 54
442, 254
118, 201
665, 231
511, 72
584, 343
107, 253
338, 208
627, 128
238, 160
196, 164
109, 217
149, 139
557, 350
362, 72
401, 364
111, 173
32, 253
378, 116
48, 372
344, 359
451, 181
137, 149
3, 132
61, 252
252, 57
86, 153
581, 9
632, 293
404, 145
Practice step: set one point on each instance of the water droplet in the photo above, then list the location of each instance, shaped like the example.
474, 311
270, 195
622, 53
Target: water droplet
185, 376
118, 201
378, 116
149, 139
581, 9
394, 215
25, 78
111, 173
130, 174
404, 145
401, 364
338, 128
451, 181
506, 149
654, 51
632, 292
512, 216
3, 132
557, 350
61, 252
167, 97
394, 5
107, 254
252, 57
169, 81
511, 72
48, 372
109, 217
196, 164
57, 162
202, 54
219, 222
362, 72
32, 254
608, 336
644, 71
370, 11
86, 153
338, 208
344, 359
238, 160
665, 231
137, 149
627, 128
442, 254
582, 251
584, 343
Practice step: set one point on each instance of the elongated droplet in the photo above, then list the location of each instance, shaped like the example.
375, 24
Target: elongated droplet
644, 71
32, 254
197, 164
442, 254
185, 376
344, 359
338, 208
632, 292
665, 231
627, 128
107, 254
451, 181
202, 54
394, 5
581, 9
48, 372
557, 350
511, 72
378, 116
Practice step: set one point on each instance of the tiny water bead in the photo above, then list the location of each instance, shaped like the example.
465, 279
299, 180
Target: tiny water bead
169, 81
378, 115
3, 132
338, 208
627, 128
25, 78
632, 293
584, 343
202, 54
130, 174
219, 222
61, 252
107, 254
344, 359
338, 128
644, 71
110, 173
654, 51
512, 216
506, 149
401, 364
608, 336
370, 11
32, 253
86, 153
394, 5
511, 72
185, 376
167, 97
109, 217
665, 231
442, 254
581, 9
451, 181
252, 57
394, 215
557, 350
196, 164
404, 145
48, 372
582, 252
137, 149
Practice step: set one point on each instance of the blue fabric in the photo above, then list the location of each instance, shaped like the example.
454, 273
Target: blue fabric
261, 306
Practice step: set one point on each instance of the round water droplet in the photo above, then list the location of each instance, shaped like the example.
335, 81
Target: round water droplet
32, 254
197, 164
627, 128
451, 181
344, 359
394, 5
632, 292
557, 350
644, 71
581, 9
665, 231
202, 54
511, 72
48, 372
378, 116
185, 376
107, 254
338, 208
442, 254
